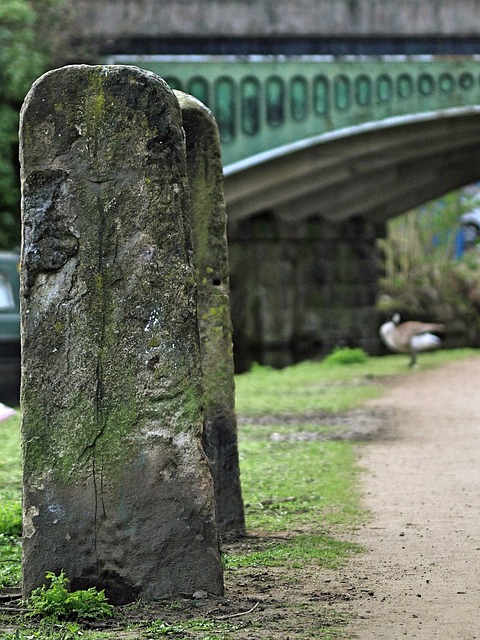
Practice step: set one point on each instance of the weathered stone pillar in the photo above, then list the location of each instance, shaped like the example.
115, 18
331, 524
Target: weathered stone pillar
117, 489
211, 263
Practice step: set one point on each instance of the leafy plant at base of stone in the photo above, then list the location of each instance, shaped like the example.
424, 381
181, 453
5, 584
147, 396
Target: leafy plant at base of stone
58, 603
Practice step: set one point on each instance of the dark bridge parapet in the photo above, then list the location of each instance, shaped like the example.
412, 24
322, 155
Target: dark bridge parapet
126, 19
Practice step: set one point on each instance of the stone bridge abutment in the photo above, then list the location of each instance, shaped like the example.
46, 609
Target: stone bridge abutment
298, 289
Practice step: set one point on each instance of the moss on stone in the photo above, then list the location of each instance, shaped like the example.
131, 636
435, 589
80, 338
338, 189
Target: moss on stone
112, 378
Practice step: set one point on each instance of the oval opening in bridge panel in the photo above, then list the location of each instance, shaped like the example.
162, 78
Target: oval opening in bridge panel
341, 92
298, 98
198, 87
404, 86
321, 95
275, 101
426, 84
250, 106
466, 81
225, 108
384, 88
446, 83
363, 91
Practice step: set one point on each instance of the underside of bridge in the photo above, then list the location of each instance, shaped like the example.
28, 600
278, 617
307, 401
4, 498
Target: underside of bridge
304, 220
374, 171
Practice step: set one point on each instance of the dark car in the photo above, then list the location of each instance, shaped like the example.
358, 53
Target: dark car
9, 328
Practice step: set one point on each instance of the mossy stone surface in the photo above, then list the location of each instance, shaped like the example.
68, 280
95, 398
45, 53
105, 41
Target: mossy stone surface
211, 265
117, 491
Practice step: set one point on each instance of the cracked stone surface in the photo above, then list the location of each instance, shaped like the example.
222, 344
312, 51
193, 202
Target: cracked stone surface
117, 489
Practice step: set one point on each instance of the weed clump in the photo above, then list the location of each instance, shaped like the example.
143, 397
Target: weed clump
11, 518
10, 549
346, 355
58, 603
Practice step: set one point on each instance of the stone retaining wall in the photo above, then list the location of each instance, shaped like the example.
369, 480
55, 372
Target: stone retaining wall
300, 289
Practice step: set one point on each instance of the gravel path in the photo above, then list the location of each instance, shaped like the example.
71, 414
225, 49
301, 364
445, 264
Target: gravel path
420, 576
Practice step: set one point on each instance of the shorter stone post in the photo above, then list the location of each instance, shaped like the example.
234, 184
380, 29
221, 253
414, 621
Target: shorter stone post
117, 489
213, 306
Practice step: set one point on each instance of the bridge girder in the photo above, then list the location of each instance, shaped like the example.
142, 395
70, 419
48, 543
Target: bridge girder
374, 170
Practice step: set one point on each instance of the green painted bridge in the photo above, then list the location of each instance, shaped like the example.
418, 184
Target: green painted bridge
262, 103
318, 154
305, 135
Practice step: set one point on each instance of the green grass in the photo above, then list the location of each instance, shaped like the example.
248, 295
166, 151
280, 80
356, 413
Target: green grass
209, 629
10, 561
10, 465
309, 387
10, 503
293, 486
287, 485
10, 516
321, 550
60, 631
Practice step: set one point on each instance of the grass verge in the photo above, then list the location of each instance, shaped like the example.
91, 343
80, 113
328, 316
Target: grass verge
312, 387
301, 499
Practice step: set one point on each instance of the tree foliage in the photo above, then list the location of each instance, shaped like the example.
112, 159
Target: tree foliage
22, 60
424, 277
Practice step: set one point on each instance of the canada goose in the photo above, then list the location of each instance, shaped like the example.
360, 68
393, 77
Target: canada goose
411, 337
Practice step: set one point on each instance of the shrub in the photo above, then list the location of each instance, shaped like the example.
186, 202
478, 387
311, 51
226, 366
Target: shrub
346, 355
421, 278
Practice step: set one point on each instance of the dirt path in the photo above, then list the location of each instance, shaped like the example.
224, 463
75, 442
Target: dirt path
420, 577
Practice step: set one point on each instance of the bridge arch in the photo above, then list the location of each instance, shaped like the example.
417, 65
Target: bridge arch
372, 170
304, 220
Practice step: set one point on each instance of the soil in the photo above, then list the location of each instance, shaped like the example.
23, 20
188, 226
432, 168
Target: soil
419, 574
